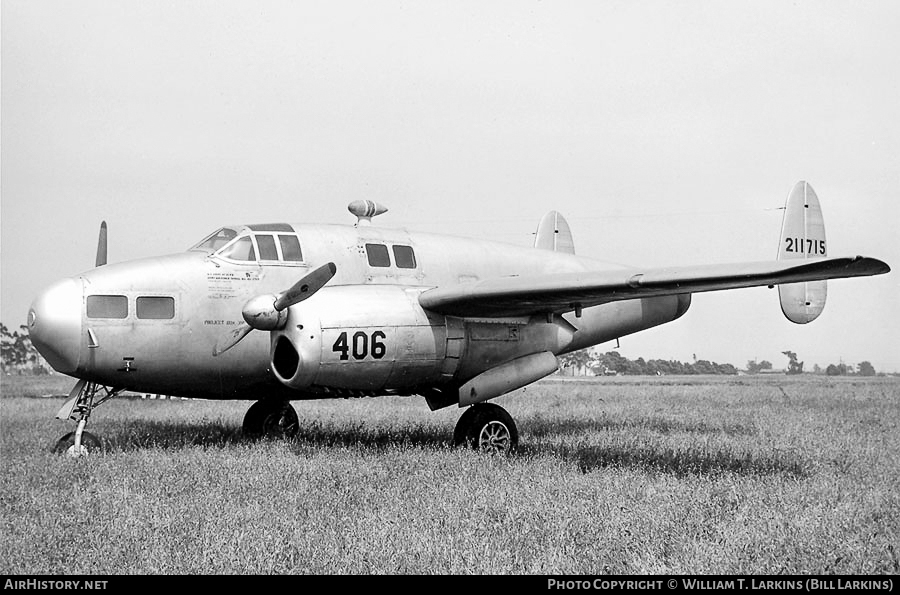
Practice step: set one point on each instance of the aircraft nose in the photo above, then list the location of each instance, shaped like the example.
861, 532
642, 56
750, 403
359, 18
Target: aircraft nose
54, 324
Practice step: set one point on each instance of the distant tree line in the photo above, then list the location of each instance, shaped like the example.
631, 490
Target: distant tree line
17, 354
754, 367
862, 369
586, 362
611, 363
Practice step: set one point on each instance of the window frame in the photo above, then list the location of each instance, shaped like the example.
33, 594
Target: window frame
273, 237
279, 249
87, 306
220, 252
412, 253
252, 234
137, 307
280, 246
211, 250
369, 246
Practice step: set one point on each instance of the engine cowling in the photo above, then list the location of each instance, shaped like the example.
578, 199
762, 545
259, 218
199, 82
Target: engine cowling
365, 338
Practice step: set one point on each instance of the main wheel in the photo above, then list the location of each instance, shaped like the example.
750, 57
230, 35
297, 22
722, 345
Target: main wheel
488, 428
271, 418
90, 444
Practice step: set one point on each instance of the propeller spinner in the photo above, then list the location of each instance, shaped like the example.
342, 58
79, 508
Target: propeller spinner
269, 312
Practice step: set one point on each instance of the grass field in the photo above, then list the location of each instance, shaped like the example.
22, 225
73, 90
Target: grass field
727, 475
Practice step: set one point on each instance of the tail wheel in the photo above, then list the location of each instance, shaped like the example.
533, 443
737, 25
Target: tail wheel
271, 418
90, 444
488, 428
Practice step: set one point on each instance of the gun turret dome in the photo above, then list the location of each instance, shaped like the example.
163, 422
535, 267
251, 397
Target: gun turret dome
365, 210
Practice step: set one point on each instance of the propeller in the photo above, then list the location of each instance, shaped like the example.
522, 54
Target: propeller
268, 312
101, 245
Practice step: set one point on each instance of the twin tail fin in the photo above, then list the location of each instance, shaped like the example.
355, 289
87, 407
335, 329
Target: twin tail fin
802, 237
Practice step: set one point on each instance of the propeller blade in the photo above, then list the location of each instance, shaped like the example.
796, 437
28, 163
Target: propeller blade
101, 245
306, 286
261, 315
231, 339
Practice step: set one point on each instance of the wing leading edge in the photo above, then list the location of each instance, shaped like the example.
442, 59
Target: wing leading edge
564, 292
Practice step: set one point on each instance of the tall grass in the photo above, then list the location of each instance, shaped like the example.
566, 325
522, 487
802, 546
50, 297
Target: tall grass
756, 475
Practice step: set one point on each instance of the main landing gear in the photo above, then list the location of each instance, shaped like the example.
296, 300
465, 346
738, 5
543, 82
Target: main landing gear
488, 428
271, 418
85, 396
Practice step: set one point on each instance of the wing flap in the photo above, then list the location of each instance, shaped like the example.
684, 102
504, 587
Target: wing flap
564, 292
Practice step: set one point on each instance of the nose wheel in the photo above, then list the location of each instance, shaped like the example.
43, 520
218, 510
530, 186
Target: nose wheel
271, 418
488, 428
88, 444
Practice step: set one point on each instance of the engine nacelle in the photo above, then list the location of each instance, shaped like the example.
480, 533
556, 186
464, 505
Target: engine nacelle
365, 338
377, 339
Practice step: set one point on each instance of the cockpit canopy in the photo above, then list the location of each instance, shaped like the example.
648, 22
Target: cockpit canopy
274, 243
217, 239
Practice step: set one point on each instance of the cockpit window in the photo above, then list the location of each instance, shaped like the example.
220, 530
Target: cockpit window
266, 244
272, 246
241, 250
290, 248
217, 239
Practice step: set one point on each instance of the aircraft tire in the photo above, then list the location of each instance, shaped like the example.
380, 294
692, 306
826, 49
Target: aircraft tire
487, 428
90, 444
271, 418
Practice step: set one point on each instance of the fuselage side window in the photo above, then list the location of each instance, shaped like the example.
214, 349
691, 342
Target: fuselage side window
404, 257
378, 255
267, 250
107, 306
290, 248
241, 250
156, 308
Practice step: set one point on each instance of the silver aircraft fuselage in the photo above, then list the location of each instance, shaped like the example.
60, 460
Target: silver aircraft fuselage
151, 325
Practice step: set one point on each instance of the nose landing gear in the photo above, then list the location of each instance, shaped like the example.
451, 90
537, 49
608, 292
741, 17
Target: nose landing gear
84, 397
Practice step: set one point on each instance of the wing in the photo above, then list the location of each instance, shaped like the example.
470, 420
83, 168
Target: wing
563, 292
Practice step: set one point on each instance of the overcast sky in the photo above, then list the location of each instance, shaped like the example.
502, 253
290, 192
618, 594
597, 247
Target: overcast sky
666, 132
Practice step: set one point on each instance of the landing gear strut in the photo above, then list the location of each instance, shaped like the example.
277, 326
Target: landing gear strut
488, 428
85, 396
271, 418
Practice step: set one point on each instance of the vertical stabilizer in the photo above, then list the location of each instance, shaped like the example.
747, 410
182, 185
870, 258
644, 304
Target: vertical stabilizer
553, 233
802, 236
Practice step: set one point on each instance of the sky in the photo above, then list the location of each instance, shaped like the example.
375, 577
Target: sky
667, 133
